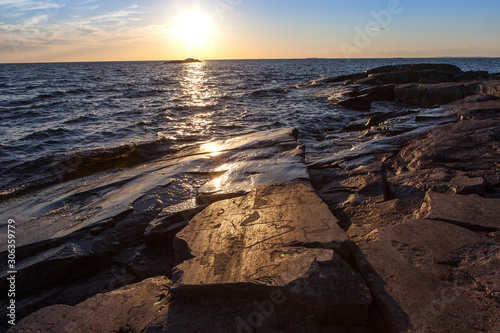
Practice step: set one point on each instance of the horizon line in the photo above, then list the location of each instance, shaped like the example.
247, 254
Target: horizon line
243, 59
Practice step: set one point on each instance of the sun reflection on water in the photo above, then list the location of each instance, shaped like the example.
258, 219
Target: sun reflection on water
194, 85
199, 98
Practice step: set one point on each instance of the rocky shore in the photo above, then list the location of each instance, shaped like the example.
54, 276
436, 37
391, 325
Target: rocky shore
397, 232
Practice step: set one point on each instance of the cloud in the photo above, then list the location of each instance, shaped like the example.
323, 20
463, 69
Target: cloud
32, 21
380, 29
111, 29
32, 5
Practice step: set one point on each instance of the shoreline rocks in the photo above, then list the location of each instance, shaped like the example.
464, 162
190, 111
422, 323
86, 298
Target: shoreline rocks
398, 233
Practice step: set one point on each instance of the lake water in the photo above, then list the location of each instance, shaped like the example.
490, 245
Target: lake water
63, 120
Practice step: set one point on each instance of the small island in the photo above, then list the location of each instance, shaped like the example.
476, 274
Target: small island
185, 61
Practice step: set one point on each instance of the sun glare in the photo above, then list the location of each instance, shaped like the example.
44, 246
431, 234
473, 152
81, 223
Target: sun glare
193, 28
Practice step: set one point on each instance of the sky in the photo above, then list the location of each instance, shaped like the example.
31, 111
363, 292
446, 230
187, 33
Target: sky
123, 30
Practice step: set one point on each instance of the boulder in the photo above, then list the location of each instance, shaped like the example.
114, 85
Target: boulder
404, 77
471, 76
426, 95
361, 103
383, 93
279, 237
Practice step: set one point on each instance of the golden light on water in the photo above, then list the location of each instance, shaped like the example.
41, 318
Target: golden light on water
193, 84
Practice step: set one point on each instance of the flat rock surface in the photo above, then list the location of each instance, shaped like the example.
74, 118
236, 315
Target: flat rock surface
229, 167
96, 224
129, 309
273, 315
449, 159
246, 246
471, 211
434, 277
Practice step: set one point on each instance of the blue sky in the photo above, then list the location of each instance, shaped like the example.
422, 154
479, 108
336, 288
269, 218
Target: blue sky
95, 30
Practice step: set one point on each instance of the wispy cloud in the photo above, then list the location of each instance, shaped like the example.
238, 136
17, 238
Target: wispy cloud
113, 28
32, 5
33, 21
380, 29
124, 15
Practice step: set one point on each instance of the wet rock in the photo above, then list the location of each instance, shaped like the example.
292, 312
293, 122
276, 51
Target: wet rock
469, 211
279, 237
54, 266
342, 78
442, 116
370, 81
430, 275
366, 152
381, 117
85, 227
60, 212
163, 228
129, 309
361, 103
356, 126
426, 95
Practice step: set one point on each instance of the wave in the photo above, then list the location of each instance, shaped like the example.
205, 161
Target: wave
58, 168
194, 108
144, 93
46, 134
269, 92
51, 95
80, 119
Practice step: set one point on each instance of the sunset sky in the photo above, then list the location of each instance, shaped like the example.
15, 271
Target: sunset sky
98, 30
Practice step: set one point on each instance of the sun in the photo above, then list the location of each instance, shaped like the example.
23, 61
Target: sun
194, 29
